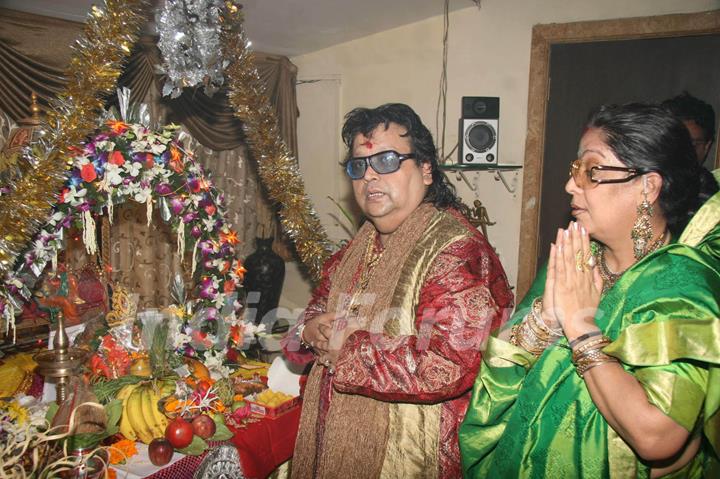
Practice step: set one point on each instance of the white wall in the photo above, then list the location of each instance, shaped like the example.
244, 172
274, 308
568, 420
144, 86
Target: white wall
489, 55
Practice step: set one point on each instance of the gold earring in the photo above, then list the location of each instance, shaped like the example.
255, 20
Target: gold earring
642, 231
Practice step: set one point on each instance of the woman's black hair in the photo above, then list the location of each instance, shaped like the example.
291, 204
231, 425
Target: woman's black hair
441, 193
649, 137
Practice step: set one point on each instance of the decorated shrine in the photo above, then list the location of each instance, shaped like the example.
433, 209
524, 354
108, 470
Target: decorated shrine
103, 373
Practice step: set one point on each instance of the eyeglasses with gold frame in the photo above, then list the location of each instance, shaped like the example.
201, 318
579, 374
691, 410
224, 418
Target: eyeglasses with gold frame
587, 178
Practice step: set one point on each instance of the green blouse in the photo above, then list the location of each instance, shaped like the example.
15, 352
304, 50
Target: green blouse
533, 417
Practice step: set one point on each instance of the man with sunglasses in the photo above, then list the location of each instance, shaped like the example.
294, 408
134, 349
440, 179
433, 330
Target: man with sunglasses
396, 325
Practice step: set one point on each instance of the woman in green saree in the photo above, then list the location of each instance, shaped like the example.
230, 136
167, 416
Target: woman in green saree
611, 365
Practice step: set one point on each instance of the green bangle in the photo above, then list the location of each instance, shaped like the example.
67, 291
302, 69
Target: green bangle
583, 337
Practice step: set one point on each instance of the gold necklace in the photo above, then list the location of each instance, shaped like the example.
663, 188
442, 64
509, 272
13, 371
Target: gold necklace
609, 278
370, 259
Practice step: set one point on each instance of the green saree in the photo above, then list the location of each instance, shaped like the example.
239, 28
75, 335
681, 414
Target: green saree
533, 417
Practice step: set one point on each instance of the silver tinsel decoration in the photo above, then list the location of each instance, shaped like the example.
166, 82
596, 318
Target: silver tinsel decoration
189, 33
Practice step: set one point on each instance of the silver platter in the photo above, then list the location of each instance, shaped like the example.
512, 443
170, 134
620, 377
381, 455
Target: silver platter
221, 462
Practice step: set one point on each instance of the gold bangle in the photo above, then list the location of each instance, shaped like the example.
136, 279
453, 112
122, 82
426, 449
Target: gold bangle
536, 310
584, 370
598, 343
514, 335
589, 359
528, 338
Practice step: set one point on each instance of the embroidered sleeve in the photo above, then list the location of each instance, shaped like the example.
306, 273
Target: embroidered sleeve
292, 348
464, 297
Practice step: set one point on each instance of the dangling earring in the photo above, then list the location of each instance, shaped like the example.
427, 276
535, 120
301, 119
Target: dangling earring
642, 231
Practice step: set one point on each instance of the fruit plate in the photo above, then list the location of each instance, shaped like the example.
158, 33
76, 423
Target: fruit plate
140, 466
272, 412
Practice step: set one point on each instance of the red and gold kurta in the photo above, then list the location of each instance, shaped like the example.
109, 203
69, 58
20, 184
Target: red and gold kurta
462, 297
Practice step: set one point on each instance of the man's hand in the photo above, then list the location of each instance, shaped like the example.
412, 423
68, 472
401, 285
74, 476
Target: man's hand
342, 328
317, 332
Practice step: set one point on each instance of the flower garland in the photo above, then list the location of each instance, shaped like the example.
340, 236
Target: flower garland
129, 161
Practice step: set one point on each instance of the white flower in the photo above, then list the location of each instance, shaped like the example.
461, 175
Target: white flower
104, 145
132, 167
158, 148
219, 300
142, 195
160, 170
209, 223
251, 329
113, 174
213, 361
75, 197
140, 146
40, 250
139, 130
179, 339
57, 217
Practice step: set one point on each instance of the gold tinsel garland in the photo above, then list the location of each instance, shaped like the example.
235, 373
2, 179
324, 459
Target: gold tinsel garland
96, 64
277, 168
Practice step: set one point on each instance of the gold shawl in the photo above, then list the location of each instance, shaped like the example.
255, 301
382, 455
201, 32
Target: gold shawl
364, 437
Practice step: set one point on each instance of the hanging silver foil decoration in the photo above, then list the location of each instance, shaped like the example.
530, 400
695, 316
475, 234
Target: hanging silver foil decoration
189, 32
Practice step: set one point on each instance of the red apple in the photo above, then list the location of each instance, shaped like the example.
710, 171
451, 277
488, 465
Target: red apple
179, 432
160, 451
203, 426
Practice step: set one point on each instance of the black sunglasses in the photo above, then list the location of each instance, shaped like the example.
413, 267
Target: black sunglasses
383, 163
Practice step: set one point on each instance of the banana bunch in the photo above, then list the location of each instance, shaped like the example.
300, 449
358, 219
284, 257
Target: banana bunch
141, 418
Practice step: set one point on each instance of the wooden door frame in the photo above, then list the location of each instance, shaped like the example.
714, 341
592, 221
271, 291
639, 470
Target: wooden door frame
543, 38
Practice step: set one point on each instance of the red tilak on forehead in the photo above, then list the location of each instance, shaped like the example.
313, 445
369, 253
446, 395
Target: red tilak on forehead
368, 144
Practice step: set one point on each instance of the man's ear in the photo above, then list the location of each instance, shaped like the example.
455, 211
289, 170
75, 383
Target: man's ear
427, 173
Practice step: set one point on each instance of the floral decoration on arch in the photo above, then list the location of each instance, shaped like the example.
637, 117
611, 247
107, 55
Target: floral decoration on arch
123, 161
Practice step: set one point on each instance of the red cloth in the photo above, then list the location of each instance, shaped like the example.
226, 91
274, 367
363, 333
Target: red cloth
263, 446
464, 296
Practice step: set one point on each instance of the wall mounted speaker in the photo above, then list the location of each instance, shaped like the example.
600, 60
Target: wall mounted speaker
479, 127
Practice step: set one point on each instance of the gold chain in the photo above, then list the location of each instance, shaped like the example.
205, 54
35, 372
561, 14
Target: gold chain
370, 259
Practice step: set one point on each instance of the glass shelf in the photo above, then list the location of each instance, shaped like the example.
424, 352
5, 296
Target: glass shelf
478, 167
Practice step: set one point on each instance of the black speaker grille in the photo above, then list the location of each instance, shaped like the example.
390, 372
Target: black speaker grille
482, 107
480, 137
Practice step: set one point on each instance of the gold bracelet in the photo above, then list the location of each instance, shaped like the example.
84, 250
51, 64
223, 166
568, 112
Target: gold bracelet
529, 340
598, 343
581, 372
540, 322
589, 359
514, 335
